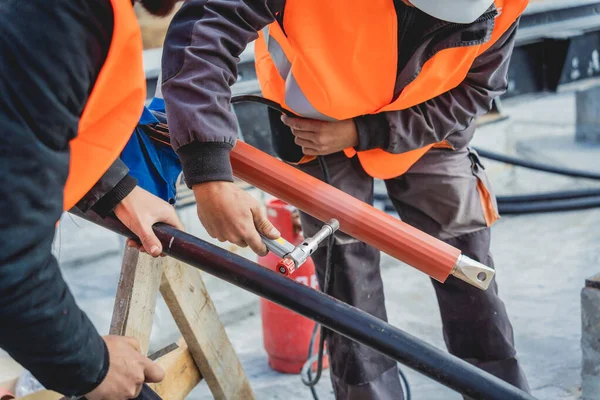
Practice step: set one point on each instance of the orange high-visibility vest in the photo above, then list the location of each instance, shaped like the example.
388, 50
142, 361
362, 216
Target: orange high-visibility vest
113, 108
337, 61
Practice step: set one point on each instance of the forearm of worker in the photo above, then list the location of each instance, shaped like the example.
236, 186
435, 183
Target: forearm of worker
451, 113
113, 186
199, 65
43, 329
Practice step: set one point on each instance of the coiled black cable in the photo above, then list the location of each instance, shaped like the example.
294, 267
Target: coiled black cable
584, 203
529, 198
307, 368
537, 165
545, 202
537, 207
566, 195
539, 202
310, 382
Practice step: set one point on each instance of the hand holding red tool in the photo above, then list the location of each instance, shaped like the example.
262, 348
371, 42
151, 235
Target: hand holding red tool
292, 257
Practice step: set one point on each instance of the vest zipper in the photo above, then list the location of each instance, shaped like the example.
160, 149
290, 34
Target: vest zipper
406, 17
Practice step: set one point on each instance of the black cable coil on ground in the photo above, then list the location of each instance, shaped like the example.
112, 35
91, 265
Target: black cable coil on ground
537, 165
569, 200
545, 202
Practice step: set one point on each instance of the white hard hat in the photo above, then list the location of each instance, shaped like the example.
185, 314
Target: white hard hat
458, 11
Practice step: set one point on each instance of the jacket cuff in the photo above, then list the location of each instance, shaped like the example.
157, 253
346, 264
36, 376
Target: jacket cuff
205, 162
84, 388
115, 173
109, 201
373, 132
103, 371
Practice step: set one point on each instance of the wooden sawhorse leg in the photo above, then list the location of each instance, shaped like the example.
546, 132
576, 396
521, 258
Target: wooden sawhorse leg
204, 351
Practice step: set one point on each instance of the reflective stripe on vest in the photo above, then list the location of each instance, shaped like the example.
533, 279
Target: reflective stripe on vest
113, 108
337, 62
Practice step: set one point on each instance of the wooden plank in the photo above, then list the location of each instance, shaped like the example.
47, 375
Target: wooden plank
8, 385
10, 371
137, 292
194, 312
42, 395
181, 374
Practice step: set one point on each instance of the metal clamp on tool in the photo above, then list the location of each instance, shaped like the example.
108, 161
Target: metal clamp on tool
292, 257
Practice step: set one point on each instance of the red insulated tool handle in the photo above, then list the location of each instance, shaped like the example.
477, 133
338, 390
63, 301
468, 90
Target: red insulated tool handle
286, 266
358, 219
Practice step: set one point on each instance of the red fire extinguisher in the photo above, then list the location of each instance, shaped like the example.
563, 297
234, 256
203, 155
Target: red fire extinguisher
286, 335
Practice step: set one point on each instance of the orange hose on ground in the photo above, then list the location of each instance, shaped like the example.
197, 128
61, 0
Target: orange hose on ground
358, 219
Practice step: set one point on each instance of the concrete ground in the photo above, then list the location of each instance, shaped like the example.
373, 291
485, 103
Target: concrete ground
542, 262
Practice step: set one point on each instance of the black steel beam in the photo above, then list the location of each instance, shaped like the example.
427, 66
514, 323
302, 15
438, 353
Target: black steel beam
540, 21
349, 321
561, 63
556, 49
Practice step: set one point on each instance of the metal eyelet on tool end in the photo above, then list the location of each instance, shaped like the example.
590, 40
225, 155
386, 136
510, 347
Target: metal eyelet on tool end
473, 272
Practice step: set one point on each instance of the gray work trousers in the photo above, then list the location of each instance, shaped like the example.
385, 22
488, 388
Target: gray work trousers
441, 195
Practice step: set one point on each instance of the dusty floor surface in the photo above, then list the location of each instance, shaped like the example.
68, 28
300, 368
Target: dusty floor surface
542, 262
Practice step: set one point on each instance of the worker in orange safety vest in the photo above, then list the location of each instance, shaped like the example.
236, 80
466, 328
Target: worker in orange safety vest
72, 89
383, 89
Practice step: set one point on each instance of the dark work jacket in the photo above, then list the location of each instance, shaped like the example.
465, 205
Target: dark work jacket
200, 64
51, 52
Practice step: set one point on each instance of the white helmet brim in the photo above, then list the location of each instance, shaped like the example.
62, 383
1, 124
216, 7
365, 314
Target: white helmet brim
457, 11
